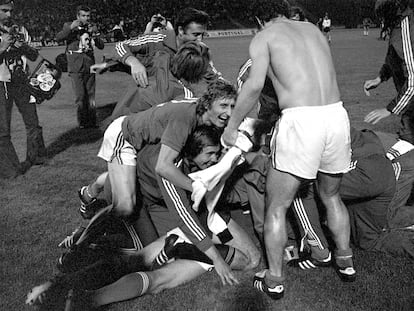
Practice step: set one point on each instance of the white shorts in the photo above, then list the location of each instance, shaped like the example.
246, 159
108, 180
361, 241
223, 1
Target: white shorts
311, 139
115, 148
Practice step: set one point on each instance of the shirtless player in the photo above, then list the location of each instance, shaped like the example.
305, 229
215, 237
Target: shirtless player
311, 140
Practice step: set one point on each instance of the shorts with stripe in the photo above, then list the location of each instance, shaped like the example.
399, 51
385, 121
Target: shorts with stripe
114, 148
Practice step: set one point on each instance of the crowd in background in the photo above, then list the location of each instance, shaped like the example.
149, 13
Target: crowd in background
45, 18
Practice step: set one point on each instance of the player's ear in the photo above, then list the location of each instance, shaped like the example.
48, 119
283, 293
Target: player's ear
180, 31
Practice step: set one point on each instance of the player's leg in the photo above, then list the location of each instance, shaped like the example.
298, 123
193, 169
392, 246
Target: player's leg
91, 191
338, 223
281, 189
244, 244
137, 284
123, 187
309, 224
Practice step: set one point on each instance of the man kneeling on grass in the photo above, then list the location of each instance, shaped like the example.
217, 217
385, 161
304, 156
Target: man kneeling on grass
109, 252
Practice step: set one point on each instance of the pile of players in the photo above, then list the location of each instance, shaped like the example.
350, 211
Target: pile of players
159, 217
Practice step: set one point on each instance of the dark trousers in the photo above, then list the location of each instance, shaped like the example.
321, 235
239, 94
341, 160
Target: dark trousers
406, 131
9, 162
367, 191
84, 89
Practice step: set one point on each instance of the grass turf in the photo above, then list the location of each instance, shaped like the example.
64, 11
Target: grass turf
40, 208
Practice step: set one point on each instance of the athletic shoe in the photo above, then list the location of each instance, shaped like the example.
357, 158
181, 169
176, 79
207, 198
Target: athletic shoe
259, 283
305, 261
166, 253
89, 209
346, 274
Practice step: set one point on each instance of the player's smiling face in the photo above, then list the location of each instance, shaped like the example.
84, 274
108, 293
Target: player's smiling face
207, 157
193, 32
219, 112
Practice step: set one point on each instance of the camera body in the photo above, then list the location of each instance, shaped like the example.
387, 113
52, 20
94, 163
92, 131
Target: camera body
15, 33
159, 19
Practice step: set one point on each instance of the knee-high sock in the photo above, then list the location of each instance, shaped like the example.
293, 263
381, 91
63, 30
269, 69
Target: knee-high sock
128, 287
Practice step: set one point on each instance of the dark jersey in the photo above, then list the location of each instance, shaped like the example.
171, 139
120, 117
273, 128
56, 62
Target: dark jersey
158, 193
170, 124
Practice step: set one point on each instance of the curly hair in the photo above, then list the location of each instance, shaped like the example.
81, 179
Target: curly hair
267, 10
191, 62
219, 89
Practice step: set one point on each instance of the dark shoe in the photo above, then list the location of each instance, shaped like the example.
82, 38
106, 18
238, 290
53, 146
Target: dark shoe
259, 283
305, 261
166, 253
89, 209
346, 274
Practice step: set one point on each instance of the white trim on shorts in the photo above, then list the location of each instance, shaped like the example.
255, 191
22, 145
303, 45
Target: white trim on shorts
114, 148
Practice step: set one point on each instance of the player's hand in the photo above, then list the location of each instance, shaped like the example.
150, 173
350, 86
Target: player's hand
224, 272
6, 41
139, 74
377, 115
229, 137
371, 84
38, 294
198, 192
96, 68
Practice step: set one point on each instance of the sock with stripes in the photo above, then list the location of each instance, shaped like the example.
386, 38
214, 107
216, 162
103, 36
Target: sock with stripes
128, 287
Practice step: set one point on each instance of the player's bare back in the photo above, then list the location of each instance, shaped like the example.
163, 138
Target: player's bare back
301, 66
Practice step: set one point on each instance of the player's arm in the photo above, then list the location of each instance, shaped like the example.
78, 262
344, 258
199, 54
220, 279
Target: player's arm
250, 91
125, 52
167, 169
405, 96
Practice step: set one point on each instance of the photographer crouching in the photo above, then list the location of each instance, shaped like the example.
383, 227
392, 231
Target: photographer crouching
14, 53
81, 39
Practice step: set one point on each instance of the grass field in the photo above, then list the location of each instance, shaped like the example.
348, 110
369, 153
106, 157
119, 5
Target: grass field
40, 208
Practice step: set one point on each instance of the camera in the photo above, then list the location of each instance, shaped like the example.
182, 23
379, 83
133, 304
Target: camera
16, 34
159, 19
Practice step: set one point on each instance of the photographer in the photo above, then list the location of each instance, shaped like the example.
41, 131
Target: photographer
14, 53
81, 38
158, 23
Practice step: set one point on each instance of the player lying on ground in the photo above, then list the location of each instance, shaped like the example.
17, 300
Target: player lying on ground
110, 248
